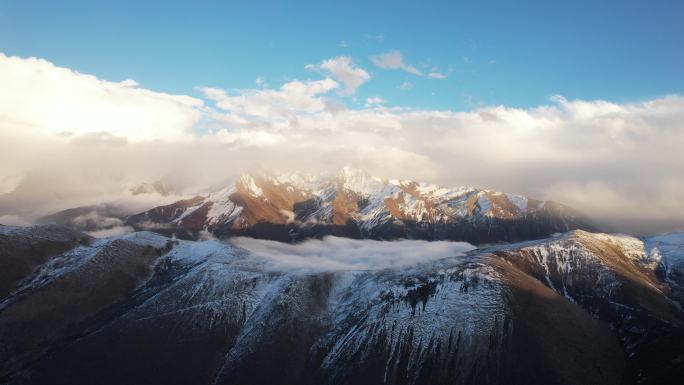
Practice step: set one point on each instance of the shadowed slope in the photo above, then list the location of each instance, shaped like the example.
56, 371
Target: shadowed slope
573, 309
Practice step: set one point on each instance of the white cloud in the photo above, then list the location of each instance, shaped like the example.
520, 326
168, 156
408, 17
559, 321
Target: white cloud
13, 220
98, 138
100, 221
344, 254
344, 70
39, 98
374, 101
277, 106
111, 232
394, 60
261, 82
405, 86
619, 161
374, 38
436, 75
561, 151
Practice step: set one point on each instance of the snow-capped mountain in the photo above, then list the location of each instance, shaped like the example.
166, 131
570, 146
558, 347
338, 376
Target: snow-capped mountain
575, 308
354, 204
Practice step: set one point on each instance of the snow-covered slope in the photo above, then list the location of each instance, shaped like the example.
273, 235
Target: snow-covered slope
355, 204
68, 288
25, 248
575, 308
668, 249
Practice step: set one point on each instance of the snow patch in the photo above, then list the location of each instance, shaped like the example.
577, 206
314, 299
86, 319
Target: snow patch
250, 186
519, 201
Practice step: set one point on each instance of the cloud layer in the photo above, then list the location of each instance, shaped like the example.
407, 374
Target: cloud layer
40, 98
70, 135
344, 254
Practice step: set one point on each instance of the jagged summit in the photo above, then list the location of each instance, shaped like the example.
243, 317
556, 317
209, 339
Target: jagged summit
352, 203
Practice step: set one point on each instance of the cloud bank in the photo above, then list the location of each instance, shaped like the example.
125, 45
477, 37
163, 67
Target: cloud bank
38, 97
77, 139
344, 254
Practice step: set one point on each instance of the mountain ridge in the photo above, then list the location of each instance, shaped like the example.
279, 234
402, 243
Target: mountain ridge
574, 308
293, 207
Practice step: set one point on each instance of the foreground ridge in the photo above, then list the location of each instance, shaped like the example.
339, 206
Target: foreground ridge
574, 308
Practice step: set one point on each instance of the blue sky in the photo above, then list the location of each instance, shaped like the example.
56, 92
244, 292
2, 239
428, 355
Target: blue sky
511, 53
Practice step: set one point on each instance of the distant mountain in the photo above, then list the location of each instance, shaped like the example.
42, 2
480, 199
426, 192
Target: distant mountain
354, 204
109, 217
88, 218
575, 308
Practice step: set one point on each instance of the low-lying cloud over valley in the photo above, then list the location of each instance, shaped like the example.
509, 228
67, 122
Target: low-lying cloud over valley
344, 254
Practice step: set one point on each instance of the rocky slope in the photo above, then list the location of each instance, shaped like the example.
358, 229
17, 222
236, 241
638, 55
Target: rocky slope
25, 248
576, 308
354, 204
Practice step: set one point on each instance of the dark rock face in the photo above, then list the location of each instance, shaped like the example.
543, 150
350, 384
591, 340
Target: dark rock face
580, 308
22, 250
161, 218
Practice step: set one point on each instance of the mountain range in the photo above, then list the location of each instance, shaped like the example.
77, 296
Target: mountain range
574, 308
248, 285
351, 203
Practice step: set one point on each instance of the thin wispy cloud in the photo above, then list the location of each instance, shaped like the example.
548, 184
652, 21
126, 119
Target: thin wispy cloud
405, 86
394, 60
436, 75
261, 82
374, 101
377, 38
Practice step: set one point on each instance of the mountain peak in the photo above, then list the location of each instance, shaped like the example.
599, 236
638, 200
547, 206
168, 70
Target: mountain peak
353, 203
247, 183
359, 180
349, 171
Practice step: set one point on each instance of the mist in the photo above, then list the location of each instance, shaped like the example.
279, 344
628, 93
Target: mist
344, 254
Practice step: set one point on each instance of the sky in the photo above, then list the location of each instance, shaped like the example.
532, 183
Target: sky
579, 102
491, 52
